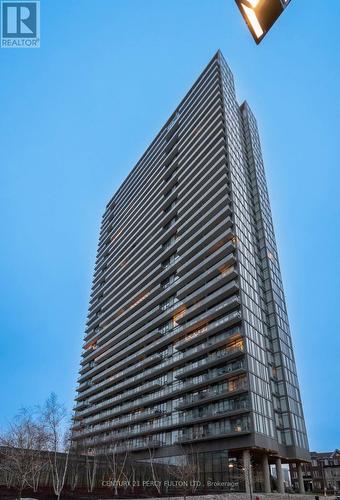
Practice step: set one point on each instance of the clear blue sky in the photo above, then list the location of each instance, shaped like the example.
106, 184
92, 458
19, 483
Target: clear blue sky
76, 115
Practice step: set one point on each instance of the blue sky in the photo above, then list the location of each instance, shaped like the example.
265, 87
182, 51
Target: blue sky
76, 115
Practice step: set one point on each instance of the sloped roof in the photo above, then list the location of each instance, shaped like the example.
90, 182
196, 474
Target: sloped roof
325, 454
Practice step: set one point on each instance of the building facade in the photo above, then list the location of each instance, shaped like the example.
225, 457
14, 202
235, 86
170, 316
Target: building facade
187, 344
321, 474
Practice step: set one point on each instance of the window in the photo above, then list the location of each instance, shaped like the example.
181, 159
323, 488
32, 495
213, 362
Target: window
168, 193
170, 241
166, 327
170, 260
170, 176
169, 302
170, 207
169, 281
171, 223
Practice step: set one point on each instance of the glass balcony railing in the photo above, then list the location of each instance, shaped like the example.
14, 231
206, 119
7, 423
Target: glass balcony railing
156, 412
231, 426
166, 363
232, 407
216, 356
232, 386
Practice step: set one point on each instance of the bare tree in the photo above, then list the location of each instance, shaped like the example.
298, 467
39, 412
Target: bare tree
75, 465
116, 462
91, 469
130, 473
54, 419
5, 472
186, 473
22, 456
39, 468
13, 466
155, 478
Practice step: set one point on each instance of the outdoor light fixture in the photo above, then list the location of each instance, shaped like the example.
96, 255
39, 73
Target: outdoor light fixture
260, 15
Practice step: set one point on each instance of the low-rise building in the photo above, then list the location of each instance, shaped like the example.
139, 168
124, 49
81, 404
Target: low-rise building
321, 475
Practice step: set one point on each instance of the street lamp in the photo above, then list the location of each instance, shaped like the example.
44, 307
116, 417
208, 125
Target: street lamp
260, 15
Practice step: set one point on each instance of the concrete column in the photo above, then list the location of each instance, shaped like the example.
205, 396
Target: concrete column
279, 476
300, 478
266, 474
248, 473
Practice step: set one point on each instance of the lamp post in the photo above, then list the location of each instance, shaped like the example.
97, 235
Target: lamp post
260, 15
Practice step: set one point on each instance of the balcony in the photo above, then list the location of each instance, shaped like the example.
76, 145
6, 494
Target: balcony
126, 395
189, 210
204, 305
205, 279
170, 391
167, 392
128, 318
151, 360
206, 258
207, 435
167, 422
150, 337
118, 422
202, 226
175, 360
170, 193
124, 445
151, 444
95, 386
199, 242
214, 378
129, 332
212, 395
135, 417
199, 323
170, 212
170, 176
171, 151
214, 415
172, 140
205, 175
211, 360
169, 265
207, 330
209, 208
170, 244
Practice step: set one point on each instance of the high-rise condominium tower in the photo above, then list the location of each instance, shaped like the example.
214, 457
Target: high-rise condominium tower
187, 344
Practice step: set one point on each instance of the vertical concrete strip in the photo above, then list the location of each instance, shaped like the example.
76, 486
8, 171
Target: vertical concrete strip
266, 474
279, 475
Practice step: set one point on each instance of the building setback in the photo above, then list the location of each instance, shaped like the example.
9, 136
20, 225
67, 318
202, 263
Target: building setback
187, 344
